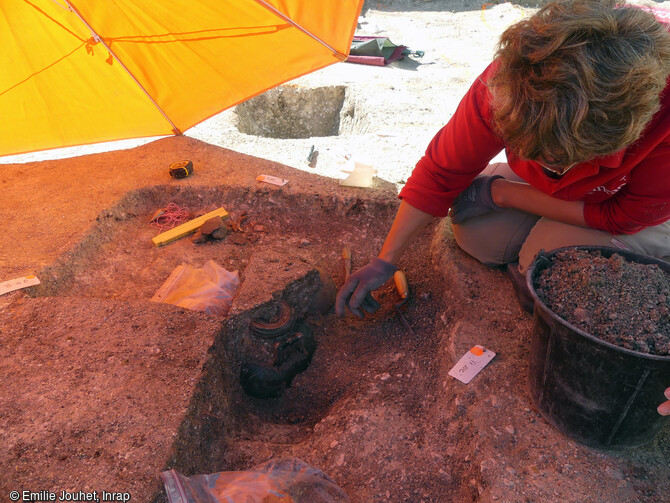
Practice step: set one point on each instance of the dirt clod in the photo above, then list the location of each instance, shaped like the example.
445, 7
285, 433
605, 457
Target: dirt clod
199, 238
238, 239
211, 225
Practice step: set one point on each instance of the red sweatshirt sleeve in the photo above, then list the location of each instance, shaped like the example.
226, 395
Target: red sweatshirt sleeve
643, 202
457, 154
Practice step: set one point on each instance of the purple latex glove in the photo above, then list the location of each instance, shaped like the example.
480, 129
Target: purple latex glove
356, 293
475, 200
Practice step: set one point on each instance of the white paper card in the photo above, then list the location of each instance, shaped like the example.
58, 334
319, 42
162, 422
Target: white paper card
274, 180
18, 283
471, 363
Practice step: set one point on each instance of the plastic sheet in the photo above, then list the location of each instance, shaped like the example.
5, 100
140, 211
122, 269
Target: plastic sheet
286, 481
377, 51
210, 289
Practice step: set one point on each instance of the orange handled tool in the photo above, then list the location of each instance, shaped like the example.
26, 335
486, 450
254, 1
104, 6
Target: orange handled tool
346, 256
402, 286
403, 289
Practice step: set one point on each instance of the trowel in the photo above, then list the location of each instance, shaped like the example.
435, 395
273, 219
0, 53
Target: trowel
403, 289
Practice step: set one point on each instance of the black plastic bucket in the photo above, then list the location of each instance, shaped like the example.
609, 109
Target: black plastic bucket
594, 392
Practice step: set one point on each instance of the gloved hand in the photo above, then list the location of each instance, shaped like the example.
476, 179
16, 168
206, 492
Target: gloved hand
357, 290
475, 200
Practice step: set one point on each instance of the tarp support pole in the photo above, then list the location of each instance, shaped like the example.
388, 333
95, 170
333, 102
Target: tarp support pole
99, 39
290, 21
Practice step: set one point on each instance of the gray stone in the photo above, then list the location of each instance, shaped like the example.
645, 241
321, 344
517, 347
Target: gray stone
220, 233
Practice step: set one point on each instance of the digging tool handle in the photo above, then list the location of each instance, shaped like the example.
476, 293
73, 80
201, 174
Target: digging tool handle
401, 284
346, 256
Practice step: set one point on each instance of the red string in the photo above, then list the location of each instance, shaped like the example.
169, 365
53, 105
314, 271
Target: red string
172, 215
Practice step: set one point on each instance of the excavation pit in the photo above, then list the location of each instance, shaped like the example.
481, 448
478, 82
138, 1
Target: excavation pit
104, 389
168, 379
292, 111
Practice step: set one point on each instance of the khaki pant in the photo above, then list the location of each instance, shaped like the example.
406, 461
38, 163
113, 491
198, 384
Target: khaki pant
505, 236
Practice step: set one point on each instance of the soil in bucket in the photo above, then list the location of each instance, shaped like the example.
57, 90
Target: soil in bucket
619, 301
600, 357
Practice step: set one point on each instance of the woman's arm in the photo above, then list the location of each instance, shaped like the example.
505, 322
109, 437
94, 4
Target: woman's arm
521, 196
409, 221
357, 289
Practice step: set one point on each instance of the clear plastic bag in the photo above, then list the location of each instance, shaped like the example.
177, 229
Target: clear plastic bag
286, 481
210, 289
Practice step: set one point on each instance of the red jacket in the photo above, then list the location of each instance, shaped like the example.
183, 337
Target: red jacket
623, 192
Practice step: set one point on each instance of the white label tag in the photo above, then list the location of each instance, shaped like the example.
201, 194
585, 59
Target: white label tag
274, 180
471, 363
18, 283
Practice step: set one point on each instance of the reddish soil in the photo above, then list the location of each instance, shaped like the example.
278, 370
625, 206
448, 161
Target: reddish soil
103, 389
617, 300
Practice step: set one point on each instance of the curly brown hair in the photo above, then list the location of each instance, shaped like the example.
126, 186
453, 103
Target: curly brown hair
579, 79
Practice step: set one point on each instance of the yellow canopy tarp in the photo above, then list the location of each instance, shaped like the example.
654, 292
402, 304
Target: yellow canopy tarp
88, 71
